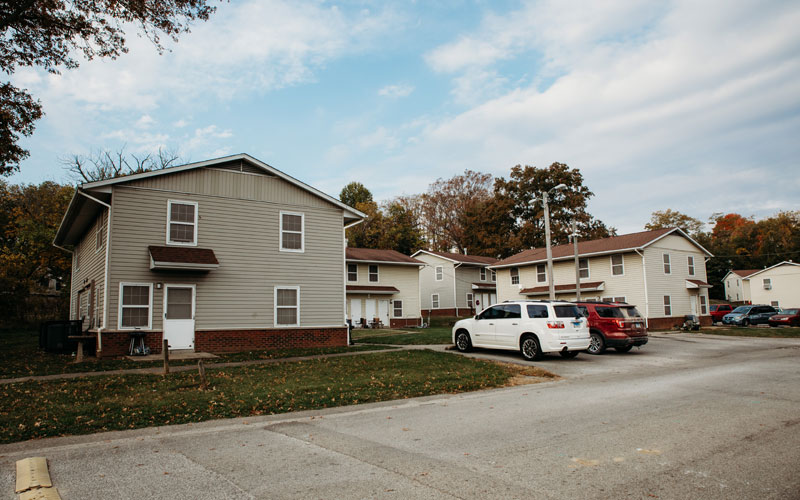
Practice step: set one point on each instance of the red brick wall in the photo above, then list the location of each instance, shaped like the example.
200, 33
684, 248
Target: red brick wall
118, 343
670, 323
404, 322
245, 340
462, 312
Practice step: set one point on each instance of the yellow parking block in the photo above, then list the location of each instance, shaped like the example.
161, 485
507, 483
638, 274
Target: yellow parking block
41, 494
32, 473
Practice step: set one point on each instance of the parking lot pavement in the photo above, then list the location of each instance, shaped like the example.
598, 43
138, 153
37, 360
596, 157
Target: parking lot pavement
687, 416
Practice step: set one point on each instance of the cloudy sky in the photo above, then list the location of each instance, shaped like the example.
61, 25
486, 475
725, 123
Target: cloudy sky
691, 105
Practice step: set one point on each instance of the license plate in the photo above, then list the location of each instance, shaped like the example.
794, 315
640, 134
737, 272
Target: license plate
637, 325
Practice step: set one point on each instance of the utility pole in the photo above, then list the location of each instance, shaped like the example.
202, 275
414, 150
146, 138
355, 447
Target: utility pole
551, 285
574, 236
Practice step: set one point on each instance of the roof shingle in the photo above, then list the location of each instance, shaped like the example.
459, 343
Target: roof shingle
376, 255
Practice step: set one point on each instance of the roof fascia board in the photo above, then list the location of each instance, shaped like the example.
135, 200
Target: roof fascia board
463, 263
679, 230
60, 237
568, 257
385, 262
786, 262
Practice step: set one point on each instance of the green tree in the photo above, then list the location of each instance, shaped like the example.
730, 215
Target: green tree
668, 218
369, 233
49, 34
401, 229
30, 216
355, 193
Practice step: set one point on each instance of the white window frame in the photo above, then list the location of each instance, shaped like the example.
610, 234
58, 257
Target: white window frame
483, 274
775, 303
122, 285
394, 308
766, 283
667, 305
620, 265
195, 224
511, 272
275, 306
438, 273
543, 274
470, 300
99, 236
77, 254
690, 264
494, 276
348, 273
703, 305
377, 273
582, 269
435, 302
302, 248
666, 261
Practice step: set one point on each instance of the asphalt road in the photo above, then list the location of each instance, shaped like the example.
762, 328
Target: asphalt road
684, 417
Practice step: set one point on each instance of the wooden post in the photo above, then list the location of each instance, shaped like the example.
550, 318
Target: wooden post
165, 350
201, 369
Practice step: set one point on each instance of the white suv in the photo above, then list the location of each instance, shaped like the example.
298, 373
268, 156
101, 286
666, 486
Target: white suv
534, 327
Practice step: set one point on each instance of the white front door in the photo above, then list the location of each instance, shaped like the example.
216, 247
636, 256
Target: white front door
179, 303
693, 301
370, 313
355, 311
383, 312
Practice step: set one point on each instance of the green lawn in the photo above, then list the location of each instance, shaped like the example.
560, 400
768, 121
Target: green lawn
20, 356
735, 331
30, 410
422, 336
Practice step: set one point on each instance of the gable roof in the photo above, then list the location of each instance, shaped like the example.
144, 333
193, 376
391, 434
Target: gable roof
613, 244
87, 201
376, 255
459, 258
759, 271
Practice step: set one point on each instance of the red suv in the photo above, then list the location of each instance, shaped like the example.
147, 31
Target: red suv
717, 311
613, 324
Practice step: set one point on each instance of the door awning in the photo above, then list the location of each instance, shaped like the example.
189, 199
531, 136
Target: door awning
182, 259
377, 290
593, 286
690, 284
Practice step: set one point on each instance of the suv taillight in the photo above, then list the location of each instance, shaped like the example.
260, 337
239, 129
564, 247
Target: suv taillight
555, 324
620, 323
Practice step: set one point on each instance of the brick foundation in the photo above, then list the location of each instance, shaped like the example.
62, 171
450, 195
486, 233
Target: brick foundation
246, 340
672, 322
404, 322
116, 343
463, 312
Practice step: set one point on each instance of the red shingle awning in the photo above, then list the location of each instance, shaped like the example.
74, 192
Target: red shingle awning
385, 290
591, 286
182, 258
484, 286
697, 284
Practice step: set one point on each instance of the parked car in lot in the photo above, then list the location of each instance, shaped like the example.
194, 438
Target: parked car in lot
786, 317
717, 311
533, 327
749, 315
613, 324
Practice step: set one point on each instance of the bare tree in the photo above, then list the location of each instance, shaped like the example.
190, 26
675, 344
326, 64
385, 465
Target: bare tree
101, 165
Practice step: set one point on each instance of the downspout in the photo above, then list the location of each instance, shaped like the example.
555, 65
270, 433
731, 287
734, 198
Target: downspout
646, 294
105, 271
419, 294
344, 273
455, 293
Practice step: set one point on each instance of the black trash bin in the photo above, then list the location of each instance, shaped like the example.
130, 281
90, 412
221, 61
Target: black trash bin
54, 336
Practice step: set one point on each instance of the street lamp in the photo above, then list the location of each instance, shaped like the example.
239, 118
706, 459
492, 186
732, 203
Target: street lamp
545, 197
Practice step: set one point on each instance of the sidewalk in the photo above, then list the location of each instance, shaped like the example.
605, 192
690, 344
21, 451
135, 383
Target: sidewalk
184, 368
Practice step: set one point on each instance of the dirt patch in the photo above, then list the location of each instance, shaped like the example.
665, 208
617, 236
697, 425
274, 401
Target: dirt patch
524, 375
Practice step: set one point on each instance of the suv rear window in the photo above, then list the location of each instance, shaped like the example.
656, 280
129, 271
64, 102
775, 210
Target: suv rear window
537, 311
567, 312
609, 312
630, 312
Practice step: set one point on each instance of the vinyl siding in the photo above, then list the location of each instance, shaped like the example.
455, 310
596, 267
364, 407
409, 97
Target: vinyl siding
674, 284
92, 268
244, 234
404, 278
429, 285
465, 277
785, 286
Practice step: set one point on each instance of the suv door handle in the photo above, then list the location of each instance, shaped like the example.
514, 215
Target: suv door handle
491, 323
514, 323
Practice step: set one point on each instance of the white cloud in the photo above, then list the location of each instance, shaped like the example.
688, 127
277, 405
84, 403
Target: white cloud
395, 91
206, 140
180, 123
146, 121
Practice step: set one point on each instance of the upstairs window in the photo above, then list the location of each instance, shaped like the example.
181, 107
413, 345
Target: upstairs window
352, 272
767, 284
617, 265
182, 223
515, 276
439, 273
541, 273
483, 274
667, 264
494, 276
690, 262
583, 268
292, 225
373, 273
100, 236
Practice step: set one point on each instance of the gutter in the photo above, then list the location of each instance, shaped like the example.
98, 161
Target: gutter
105, 271
646, 294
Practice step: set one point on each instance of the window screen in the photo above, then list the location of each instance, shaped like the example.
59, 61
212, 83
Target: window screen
352, 272
292, 232
483, 274
514, 276
439, 273
667, 264
182, 222
373, 273
287, 306
541, 273
617, 268
435, 300
179, 303
398, 308
135, 306
583, 268
667, 305
469, 300
690, 262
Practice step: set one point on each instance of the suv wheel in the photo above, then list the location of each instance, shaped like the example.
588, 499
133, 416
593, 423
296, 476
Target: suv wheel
463, 342
530, 348
596, 344
745, 322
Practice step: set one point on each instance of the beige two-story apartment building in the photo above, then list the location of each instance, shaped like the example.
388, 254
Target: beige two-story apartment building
453, 284
382, 288
662, 272
777, 285
220, 255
